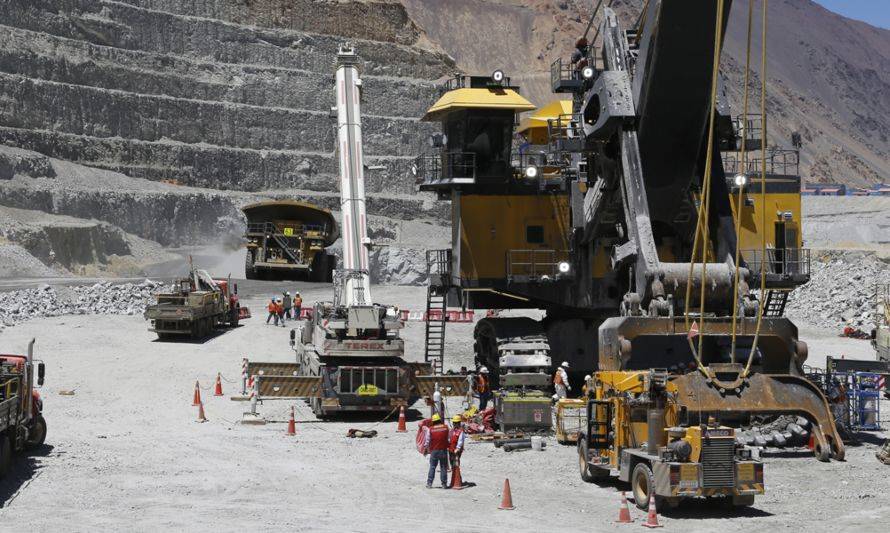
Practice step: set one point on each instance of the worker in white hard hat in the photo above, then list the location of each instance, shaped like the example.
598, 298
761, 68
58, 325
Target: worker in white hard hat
483, 388
287, 302
585, 389
561, 381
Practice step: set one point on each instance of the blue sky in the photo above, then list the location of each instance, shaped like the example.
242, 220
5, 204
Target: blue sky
875, 12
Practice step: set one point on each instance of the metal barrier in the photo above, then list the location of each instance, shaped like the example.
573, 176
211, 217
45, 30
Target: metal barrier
438, 262
534, 265
566, 76
782, 261
779, 162
286, 230
445, 168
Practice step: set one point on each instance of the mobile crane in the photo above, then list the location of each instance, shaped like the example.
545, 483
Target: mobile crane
349, 355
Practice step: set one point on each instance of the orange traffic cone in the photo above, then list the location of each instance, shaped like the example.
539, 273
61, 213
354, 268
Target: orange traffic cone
291, 423
624, 512
652, 519
197, 398
507, 500
457, 483
402, 427
218, 390
201, 417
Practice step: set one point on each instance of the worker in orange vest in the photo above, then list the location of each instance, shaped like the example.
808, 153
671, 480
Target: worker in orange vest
273, 311
436, 443
298, 305
483, 388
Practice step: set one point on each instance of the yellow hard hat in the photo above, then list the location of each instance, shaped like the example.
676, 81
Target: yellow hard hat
436, 417
457, 418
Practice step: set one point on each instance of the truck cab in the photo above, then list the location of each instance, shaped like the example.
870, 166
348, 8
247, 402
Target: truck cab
22, 425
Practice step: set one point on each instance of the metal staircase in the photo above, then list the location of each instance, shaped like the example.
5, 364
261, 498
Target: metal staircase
438, 269
435, 329
776, 300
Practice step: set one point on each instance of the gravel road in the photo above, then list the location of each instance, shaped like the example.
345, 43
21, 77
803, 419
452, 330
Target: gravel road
125, 450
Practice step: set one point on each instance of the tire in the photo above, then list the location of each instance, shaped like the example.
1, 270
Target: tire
5, 455
37, 435
641, 483
583, 463
249, 269
330, 267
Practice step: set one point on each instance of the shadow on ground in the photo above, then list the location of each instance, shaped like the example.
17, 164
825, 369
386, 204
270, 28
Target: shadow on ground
25, 468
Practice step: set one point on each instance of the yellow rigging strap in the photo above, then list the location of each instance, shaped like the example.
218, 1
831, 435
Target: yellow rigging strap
763, 148
701, 227
743, 163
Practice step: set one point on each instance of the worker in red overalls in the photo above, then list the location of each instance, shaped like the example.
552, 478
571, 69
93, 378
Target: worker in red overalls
436, 443
456, 441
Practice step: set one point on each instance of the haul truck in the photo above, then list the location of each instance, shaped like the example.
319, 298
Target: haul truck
287, 239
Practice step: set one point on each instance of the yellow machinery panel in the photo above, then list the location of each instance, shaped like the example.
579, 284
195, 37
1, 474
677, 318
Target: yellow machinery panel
783, 215
491, 226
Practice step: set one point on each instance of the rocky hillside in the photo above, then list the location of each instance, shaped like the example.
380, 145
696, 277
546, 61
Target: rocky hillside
211, 93
829, 76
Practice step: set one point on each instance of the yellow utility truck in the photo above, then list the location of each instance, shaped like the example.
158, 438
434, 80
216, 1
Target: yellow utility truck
640, 430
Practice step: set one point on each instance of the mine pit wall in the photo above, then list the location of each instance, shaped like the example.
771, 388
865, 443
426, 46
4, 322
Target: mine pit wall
181, 218
72, 245
202, 93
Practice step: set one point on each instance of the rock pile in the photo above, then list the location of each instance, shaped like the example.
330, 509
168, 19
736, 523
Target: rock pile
101, 298
841, 291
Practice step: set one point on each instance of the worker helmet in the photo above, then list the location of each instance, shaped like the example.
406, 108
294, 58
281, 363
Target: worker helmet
456, 418
587, 377
565, 364
436, 417
287, 293
483, 370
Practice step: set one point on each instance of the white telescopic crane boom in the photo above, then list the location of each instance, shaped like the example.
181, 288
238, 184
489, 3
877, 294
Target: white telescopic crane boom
352, 180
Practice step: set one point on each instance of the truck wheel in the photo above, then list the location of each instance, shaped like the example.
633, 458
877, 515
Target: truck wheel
37, 434
5, 455
249, 269
330, 267
583, 462
642, 482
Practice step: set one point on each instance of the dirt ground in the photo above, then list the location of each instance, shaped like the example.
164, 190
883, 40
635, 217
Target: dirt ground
125, 451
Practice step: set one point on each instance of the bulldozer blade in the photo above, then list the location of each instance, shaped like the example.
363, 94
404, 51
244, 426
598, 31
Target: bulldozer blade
448, 385
288, 386
272, 369
764, 394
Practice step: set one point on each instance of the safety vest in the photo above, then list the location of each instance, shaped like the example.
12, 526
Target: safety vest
272, 307
455, 437
557, 378
298, 302
439, 437
481, 384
